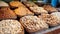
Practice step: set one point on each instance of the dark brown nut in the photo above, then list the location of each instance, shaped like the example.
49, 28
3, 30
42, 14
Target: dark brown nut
49, 8
7, 13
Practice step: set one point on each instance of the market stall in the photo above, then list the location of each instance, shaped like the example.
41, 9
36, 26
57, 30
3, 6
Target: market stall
29, 17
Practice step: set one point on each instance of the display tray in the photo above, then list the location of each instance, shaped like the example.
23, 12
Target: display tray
58, 9
52, 30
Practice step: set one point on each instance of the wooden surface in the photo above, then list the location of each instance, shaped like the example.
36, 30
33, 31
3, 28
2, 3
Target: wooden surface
54, 32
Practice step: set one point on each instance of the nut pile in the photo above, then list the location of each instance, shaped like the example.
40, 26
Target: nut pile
10, 27
38, 10
33, 23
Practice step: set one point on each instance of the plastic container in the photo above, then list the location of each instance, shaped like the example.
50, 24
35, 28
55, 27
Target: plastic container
54, 3
59, 1
45, 1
